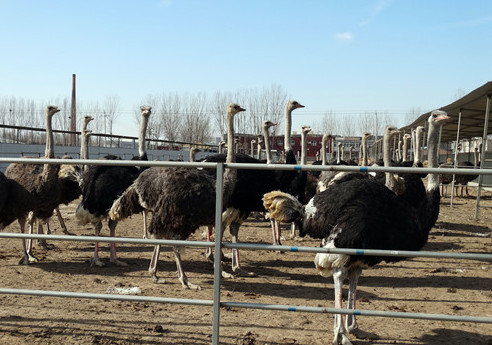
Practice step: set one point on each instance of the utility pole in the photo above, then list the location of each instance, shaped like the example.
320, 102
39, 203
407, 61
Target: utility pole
73, 116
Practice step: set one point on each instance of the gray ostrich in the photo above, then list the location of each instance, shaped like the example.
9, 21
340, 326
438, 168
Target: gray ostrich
181, 199
32, 188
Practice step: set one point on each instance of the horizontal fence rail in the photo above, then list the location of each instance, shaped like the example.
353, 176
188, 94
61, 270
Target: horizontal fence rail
279, 307
216, 303
255, 246
248, 166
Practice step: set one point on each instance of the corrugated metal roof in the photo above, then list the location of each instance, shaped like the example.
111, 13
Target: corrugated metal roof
473, 108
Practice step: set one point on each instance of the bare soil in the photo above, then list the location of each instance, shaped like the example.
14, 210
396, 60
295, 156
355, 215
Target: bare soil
421, 285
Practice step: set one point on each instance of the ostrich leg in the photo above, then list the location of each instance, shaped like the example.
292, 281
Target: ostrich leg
351, 323
112, 249
340, 333
181, 274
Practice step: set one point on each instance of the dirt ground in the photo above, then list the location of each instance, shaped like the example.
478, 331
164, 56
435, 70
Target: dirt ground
421, 285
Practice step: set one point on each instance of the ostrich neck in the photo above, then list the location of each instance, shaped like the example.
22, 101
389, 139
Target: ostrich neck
432, 152
266, 139
288, 130
49, 170
192, 156
405, 149
230, 175
144, 121
83, 146
418, 135
390, 182
323, 150
364, 151
304, 148
338, 154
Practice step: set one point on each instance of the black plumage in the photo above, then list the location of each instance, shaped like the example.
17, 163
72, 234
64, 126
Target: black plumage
103, 184
363, 214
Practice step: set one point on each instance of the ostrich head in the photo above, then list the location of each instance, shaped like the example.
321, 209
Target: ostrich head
145, 110
51, 110
253, 141
88, 118
268, 124
233, 109
438, 116
305, 129
88, 133
292, 105
391, 130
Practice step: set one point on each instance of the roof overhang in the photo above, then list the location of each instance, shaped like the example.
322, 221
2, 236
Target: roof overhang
473, 110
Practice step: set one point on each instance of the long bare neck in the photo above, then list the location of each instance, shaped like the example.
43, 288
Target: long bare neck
288, 129
49, 170
405, 149
266, 139
304, 148
144, 121
192, 155
390, 182
259, 150
83, 145
230, 175
432, 156
323, 149
418, 144
475, 156
364, 151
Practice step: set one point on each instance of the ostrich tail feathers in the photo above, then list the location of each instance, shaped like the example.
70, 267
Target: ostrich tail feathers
282, 207
126, 205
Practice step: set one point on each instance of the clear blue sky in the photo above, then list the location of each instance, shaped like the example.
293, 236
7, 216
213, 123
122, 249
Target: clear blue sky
341, 56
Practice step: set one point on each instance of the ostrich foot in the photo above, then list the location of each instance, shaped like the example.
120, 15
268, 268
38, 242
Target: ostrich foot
226, 275
118, 262
28, 259
360, 334
242, 273
187, 285
224, 257
341, 339
46, 245
97, 262
66, 232
158, 280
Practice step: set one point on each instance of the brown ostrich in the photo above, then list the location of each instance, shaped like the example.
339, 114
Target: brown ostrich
32, 188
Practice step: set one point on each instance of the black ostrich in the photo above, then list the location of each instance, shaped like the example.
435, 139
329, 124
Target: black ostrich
102, 185
362, 214
181, 199
252, 184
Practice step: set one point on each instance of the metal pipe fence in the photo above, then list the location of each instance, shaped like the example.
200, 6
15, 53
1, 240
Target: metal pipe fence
216, 303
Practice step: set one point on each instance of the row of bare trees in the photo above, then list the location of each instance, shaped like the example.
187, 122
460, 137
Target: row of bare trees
195, 117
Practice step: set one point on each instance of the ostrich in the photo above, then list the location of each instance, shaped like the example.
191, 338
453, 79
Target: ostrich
84, 140
349, 215
252, 184
172, 194
70, 177
32, 188
328, 178
222, 144
276, 230
102, 185
259, 142
253, 143
462, 180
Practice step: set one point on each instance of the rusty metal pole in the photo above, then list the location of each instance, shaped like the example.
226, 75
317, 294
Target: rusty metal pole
73, 116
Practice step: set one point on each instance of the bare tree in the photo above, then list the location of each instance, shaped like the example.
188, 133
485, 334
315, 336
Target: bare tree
329, 123
196, 122
412, 114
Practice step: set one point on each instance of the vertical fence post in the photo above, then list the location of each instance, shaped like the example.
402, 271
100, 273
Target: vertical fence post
218, 252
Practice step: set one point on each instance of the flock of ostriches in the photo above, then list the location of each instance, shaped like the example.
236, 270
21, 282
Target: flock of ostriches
344, 210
